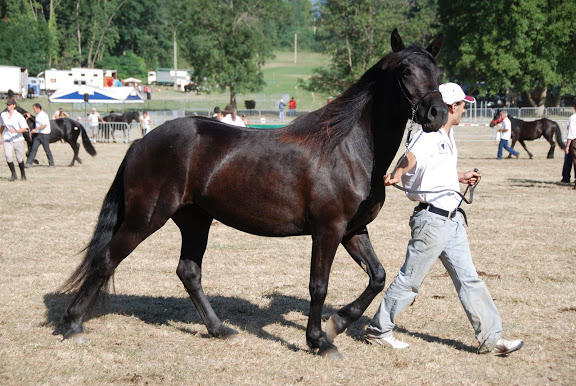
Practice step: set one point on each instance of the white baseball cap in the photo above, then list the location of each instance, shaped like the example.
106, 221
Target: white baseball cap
452, 93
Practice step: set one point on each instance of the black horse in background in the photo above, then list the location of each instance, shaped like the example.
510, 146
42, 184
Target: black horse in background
529, 131
322, 176
126, 117
67, 130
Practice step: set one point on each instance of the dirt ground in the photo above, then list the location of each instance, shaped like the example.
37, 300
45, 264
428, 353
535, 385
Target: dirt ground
521, 232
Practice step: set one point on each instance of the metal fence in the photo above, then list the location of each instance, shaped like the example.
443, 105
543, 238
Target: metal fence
474, 125
109, 132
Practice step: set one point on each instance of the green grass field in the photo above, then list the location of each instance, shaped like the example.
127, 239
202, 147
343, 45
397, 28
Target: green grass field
281, 75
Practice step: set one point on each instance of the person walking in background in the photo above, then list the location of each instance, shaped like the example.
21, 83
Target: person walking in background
146, 123
42, 130
230, 116
12, 125
60, 113
429, 172
93, 119
505, 136
568, 158
292, 107
281, 107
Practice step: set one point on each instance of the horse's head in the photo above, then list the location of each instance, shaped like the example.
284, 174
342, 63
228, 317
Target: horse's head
496, 120
417, 76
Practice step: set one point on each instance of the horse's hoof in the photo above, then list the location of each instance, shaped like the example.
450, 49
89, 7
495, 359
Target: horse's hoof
332, 328
78, 338
332, 354
227, 333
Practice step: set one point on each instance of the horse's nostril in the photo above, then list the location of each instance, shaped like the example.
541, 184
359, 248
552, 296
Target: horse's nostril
433, 112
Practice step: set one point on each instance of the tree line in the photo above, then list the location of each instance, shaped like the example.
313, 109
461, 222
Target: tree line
521, 49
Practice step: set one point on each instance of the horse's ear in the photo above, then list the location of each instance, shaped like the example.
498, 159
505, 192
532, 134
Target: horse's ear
436, 45
396, 41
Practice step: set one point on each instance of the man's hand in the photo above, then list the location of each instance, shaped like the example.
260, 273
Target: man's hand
388, 180
471, 178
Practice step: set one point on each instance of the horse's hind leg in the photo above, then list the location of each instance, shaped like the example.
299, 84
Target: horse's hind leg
360, 248
101, 268
552, 146
75, 149
194, 227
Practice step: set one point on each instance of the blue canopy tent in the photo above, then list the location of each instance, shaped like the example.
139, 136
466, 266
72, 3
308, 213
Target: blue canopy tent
112, 95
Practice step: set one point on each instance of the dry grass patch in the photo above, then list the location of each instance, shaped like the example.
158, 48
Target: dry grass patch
521, 235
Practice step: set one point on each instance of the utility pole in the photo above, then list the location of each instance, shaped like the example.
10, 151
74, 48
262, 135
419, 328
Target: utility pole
175, 62
296, 47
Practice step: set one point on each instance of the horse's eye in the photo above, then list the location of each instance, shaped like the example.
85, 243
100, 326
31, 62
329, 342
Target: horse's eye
406, 73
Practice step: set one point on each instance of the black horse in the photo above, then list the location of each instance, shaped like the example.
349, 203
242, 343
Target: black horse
529, 131
67, 130
321, 176
61, 129
126, 117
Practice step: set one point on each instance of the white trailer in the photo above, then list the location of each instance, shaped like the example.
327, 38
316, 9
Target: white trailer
52, 79
13, 78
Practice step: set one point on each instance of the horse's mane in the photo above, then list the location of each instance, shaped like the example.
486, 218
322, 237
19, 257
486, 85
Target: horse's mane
323, 129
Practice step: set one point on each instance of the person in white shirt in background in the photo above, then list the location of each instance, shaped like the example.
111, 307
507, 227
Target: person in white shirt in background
429, 169
146, 123
42, 130
505, 136
231, 117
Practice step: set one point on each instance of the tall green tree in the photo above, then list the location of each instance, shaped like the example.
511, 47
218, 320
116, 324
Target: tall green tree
226, 44
356, 34
524, 47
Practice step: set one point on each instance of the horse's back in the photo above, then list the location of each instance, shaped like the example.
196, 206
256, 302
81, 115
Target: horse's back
245, 178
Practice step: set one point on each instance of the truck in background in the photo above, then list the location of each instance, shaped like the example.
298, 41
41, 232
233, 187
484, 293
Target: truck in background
165, 77
53, 79
13, 78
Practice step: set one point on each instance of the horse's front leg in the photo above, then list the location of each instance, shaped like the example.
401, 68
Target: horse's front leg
324, 245
360, 248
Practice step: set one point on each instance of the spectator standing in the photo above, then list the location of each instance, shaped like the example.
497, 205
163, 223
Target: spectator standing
218, 114
231, 117
93, 119
505, 136
146, 123
281, 107
12, 125
42, 130
568, 158
60, 113
292, 107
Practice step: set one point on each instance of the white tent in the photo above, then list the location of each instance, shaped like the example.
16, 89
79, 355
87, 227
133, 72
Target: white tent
131, 81
97, 95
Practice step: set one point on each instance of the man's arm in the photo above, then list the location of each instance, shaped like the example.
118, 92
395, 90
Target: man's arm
407, 164
470, 178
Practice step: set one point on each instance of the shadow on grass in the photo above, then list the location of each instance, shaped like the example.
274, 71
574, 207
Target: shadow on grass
239, 313
434, 339
526, 183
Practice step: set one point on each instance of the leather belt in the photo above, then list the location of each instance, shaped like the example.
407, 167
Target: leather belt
433, 209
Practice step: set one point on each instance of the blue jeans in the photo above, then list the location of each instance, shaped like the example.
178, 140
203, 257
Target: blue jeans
281, 114
435, 236
504, 145
568, 162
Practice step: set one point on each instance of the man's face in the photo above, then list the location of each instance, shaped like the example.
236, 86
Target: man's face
459, 109
36, 109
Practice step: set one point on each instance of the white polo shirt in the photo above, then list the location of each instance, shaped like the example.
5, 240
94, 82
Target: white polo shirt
506, 124
43, 119
571, 127
17, 122
436, 169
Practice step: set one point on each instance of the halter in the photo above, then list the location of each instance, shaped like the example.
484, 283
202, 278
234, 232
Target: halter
414, 106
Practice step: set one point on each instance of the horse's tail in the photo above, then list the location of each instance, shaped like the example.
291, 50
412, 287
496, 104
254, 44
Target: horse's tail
86, 140
109, 221
559, 136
